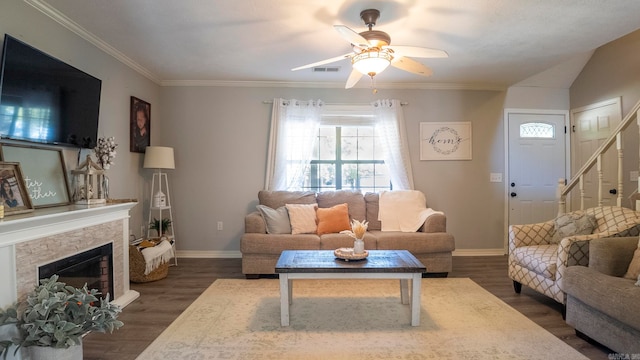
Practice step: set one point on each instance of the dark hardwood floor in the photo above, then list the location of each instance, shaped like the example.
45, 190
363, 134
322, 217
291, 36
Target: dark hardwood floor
160, 302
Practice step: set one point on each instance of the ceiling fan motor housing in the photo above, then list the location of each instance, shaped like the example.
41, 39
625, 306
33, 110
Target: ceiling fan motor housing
377, 38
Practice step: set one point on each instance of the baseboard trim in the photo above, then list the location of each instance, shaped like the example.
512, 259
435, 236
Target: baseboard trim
208, 254
479, 252
215, 254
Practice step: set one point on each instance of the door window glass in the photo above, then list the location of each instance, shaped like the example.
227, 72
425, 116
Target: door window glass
537, 130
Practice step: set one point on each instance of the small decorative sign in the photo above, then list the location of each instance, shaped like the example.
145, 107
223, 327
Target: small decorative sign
445, 141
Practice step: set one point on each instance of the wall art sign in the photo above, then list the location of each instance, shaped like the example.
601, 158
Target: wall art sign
45, 176
445, 141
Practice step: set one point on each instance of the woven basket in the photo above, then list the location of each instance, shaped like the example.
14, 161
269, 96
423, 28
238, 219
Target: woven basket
137, 266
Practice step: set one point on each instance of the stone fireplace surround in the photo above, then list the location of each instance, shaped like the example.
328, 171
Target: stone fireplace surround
28, 241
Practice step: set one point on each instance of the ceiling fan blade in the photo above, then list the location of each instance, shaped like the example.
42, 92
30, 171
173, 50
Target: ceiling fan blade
419, 52
353, 79
411, 66
322, 62
352, 36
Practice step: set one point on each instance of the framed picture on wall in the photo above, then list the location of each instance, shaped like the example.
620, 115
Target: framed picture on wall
13, 192
140, 125
445, 141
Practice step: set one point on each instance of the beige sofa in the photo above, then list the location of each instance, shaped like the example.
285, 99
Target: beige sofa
431, 244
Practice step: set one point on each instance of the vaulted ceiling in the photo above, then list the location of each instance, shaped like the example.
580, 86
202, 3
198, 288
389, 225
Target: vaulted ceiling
491, 43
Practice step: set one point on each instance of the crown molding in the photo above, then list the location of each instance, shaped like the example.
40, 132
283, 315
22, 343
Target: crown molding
72, 26
333, 85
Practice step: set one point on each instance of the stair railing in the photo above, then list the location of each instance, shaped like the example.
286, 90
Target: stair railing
565, 187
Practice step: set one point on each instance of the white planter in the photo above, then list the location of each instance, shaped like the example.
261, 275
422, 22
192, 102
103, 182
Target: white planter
50, 353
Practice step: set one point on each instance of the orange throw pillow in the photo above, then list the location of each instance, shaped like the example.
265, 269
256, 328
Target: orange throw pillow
333, 219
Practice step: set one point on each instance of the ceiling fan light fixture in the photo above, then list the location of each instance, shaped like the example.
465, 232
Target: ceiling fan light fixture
372, 61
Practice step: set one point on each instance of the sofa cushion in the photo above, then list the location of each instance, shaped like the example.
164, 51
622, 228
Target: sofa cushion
572, 224
613, 296
274, 244
276, 220
540, 259
416, 242
333, 219
354, 200
303, 218
276, 199
335, 241
633, 272
372, 200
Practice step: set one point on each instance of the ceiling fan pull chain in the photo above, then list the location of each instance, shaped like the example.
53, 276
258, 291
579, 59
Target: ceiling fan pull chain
373, 85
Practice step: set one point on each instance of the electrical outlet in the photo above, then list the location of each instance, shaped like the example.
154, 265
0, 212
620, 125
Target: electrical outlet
495, 177
219, 225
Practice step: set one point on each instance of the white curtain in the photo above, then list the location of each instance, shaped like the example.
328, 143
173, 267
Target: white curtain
389, 123
294, 129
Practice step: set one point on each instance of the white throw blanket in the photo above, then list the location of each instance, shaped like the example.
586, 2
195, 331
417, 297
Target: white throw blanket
403, 210
157, 255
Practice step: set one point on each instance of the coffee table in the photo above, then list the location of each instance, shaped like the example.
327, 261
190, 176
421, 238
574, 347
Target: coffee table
322, 264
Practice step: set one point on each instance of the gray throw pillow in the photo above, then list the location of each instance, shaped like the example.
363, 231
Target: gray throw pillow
572, 224
277, 220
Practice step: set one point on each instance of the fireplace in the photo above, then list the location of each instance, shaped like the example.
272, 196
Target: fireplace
93, 267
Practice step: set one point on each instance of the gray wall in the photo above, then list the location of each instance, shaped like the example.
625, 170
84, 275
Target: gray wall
119, 82
611, 72
220, 136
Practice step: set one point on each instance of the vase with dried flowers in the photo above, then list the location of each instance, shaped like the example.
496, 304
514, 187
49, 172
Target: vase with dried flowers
105, 151
358, 229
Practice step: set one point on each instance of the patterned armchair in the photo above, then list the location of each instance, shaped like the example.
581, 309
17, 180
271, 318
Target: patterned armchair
538, 263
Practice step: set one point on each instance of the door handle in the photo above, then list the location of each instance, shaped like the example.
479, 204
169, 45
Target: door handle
513, 194
613, 191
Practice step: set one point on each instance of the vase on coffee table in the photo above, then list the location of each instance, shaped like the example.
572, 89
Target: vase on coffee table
358, 246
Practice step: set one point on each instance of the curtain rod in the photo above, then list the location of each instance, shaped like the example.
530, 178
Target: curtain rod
403, 103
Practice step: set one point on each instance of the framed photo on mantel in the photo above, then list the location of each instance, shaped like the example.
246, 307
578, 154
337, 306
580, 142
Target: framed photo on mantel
13, 192
445, 141
140, 125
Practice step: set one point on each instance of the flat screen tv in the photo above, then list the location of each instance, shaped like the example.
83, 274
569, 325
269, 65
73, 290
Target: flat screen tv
45, 100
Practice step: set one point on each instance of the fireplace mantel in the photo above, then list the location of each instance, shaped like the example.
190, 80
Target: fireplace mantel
47, 223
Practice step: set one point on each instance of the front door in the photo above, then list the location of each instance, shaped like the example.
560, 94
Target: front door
537, 157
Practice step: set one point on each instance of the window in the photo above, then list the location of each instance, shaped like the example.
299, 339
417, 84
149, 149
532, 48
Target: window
347, 155
537, 131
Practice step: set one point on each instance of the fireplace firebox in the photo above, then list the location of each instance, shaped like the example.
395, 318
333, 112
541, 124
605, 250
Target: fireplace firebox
93, 267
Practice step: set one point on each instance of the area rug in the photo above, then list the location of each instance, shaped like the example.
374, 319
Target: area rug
353, 319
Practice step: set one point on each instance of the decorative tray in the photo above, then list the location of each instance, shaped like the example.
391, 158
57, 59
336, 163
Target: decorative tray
347, 254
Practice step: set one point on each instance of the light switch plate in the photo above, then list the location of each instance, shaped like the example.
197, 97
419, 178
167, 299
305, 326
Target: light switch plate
633, 176
495, 177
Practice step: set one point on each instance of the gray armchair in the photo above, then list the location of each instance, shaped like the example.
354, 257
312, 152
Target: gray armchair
601, 304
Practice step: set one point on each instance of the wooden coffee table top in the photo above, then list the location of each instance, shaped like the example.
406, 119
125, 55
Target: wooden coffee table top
324, 261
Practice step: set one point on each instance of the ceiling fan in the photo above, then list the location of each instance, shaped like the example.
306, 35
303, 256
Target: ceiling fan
372, 52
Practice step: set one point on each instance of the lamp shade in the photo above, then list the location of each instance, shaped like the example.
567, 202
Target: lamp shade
158, 157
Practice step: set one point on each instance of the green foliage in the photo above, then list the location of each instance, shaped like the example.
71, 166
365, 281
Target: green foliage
155, 225
57, 315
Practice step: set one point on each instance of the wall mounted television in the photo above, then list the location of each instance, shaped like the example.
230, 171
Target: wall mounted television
45, 100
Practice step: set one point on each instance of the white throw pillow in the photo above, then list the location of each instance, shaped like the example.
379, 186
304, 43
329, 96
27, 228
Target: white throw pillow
303, 218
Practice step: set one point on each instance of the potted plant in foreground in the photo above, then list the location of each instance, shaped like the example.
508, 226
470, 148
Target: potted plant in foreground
54, 318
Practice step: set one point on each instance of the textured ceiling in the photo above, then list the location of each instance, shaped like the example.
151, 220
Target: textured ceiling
490, 42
